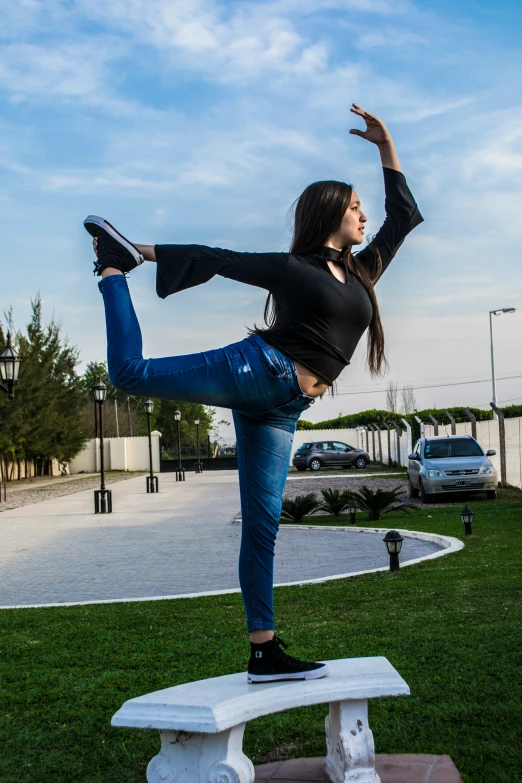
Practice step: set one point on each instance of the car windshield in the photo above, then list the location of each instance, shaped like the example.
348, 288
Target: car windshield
304, 447
452, 447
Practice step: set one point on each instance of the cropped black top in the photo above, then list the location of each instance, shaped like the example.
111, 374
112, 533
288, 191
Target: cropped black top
320, 320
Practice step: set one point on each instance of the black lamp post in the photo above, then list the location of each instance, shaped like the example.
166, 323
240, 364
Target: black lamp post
102, 496
393, 542
180, 473
352, 508
199, 468
467, 517
152, 480
9, 368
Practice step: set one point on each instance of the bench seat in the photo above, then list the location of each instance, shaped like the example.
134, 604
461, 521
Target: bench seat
201, 724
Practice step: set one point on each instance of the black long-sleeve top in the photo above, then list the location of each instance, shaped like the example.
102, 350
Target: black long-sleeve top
320, 320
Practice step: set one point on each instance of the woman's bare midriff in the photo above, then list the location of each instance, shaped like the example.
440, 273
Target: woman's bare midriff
310, 384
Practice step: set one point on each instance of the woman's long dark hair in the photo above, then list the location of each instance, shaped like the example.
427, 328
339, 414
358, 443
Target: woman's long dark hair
318, 213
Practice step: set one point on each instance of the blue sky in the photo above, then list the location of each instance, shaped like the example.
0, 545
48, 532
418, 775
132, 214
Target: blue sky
202, 121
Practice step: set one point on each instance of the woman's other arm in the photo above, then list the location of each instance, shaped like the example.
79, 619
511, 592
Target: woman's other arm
184, 266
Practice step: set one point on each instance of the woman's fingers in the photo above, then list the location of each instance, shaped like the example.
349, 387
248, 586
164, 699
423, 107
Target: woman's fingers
363, 113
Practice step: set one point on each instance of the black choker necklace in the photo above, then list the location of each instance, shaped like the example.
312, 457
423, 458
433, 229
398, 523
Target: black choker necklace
330, 253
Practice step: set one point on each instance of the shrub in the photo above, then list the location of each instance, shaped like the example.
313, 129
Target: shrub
301, 506
378, 502
334, 501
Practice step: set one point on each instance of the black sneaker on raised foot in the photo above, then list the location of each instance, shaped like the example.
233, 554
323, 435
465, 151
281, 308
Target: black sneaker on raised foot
113, 249
269, 663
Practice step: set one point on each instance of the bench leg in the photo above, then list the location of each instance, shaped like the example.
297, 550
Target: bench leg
191, 757
350, 749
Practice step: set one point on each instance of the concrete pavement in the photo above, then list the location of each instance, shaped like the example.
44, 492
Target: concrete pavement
182, 540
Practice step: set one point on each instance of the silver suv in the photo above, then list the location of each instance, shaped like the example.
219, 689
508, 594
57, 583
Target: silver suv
451, 463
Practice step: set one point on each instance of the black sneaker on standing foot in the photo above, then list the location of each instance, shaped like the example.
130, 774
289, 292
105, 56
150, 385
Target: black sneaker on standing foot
113, 249
269, 663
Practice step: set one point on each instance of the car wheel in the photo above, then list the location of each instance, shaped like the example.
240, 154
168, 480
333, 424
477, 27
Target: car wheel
425, 498
491, 494
301, 469
315, 465
414, 493
360, 463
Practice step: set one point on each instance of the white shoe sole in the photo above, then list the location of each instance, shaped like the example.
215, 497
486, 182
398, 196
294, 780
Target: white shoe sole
313, 674
95, 220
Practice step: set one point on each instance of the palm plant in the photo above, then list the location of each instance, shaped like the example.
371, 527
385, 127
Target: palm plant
300, 507
335, 501
378, 502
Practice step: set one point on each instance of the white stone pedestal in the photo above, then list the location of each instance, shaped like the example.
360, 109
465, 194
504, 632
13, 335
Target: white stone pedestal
201, 724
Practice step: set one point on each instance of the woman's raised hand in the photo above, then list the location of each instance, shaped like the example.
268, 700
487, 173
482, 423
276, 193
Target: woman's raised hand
376, 131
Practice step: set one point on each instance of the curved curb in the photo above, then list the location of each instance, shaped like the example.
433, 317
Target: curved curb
448, 543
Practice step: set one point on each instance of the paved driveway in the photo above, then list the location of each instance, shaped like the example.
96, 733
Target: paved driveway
182, 540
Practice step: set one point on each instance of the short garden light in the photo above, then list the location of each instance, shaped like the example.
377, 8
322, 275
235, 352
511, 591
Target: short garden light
393, 542
352, 509
467, 517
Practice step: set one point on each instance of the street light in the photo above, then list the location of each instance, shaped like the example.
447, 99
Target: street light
496, 312
199, 469
102, 496
180, 473
467, 517
9, 368
152, 480
393, 542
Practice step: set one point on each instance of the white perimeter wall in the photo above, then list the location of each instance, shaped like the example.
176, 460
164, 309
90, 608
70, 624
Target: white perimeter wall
118, 454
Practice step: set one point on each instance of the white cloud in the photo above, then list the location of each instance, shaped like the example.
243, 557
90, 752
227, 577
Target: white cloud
226, 43
77, 72
499, 154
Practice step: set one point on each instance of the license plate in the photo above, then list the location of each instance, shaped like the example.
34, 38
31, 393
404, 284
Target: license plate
462, 482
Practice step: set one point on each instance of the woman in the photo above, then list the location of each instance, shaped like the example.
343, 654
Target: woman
322, 302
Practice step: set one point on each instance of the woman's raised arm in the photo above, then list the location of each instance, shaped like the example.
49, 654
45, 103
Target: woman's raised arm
402, 213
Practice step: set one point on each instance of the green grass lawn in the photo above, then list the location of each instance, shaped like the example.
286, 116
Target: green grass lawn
450, 626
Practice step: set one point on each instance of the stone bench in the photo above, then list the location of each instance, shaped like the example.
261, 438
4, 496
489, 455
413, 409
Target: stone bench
201, 724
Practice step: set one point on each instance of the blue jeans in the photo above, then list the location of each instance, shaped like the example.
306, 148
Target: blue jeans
259, 384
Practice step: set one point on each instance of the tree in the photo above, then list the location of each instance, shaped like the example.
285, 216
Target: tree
43, 421
409, 404
190, 411
392, 395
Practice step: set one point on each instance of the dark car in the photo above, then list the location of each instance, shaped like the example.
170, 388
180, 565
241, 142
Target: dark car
329, 453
